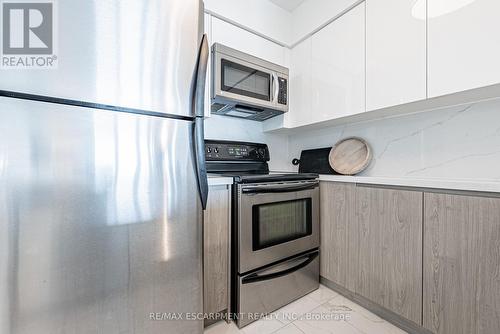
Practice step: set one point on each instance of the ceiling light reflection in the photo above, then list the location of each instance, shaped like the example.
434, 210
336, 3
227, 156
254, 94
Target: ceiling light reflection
437, 7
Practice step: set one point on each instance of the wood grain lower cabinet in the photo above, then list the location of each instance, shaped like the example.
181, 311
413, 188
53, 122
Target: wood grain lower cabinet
431, 258
461, 264
336, 217
216, 224
387, 249
371, 244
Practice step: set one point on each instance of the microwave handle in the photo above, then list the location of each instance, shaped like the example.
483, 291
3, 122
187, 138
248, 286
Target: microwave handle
276, 87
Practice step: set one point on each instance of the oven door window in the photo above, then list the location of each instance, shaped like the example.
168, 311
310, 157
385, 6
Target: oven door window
243, 80
280, 222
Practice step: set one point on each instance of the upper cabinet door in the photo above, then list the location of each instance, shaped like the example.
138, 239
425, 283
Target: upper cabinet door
300, 84
395, 52
245, 41
338, 67
463, 45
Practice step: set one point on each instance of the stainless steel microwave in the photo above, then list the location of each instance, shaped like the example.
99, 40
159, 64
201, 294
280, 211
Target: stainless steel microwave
247, 87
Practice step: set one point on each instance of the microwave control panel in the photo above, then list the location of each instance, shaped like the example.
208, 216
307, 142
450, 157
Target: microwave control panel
235, 151
283, 91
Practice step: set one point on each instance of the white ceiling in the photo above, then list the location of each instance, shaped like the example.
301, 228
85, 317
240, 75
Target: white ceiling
288, 5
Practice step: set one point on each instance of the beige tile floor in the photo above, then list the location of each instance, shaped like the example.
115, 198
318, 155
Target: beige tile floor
321, 312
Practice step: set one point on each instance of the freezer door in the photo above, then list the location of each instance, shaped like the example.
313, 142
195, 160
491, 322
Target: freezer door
127, 53
100, 222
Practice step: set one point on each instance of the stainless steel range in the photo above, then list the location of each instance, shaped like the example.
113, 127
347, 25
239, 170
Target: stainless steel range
275, 244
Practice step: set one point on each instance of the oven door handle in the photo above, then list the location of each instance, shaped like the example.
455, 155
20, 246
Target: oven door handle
278, 189
269, 274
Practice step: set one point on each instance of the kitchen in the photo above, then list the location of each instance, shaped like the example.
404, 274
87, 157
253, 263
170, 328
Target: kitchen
359, 195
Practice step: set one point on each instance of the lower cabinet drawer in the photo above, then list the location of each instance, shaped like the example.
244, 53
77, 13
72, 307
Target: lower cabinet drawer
268, 289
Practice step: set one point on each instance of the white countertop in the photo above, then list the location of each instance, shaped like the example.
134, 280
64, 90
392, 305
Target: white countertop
217, 180
434, 183
461, 184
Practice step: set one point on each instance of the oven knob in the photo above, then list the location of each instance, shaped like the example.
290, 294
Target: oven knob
261, 152
209, 150
216, 150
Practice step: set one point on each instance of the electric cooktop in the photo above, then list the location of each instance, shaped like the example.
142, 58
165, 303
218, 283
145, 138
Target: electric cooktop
246, 162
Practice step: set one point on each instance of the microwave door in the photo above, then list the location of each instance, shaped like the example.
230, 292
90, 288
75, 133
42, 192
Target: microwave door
243, 81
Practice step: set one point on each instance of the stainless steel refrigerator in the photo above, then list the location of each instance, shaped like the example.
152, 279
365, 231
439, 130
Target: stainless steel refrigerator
102, 177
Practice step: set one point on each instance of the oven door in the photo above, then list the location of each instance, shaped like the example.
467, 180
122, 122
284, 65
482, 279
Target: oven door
276, 221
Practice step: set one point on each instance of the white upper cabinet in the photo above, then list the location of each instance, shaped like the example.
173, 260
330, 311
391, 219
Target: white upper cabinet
300, 85
463, 45
338, 68
245, 41
395, 52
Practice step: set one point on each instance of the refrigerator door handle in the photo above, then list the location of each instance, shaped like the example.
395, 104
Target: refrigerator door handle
199, 111
201, 76
201, 168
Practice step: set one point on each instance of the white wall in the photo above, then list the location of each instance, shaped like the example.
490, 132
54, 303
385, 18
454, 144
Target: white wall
454, 143
261, 16
228, 128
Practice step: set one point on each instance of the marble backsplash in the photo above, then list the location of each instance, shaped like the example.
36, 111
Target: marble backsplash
454, 143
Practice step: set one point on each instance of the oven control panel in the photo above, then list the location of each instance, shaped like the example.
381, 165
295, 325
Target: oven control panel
217, 150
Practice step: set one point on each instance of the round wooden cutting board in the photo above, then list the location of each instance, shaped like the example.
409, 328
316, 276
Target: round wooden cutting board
350, 156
